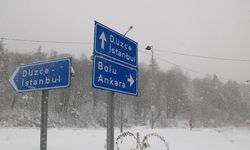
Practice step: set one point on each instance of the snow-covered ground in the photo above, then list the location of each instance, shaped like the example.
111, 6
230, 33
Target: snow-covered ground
94, 139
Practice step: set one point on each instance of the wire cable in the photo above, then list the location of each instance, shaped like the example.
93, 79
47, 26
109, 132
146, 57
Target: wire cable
167, 52
185, 68
167, 61
205, 57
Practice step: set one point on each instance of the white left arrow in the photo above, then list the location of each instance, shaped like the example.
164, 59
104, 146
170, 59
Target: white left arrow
103, 38
11, 80
131, 80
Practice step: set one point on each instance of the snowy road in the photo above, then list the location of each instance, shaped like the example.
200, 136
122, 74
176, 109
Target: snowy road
94, 139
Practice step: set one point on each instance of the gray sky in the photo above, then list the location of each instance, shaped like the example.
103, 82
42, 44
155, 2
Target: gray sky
217, 28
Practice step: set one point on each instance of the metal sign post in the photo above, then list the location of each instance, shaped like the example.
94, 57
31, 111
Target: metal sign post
44, 120
115, 68
110, 120
121, 121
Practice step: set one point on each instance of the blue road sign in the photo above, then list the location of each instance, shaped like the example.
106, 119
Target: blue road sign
114, 45
114, 76
42, 75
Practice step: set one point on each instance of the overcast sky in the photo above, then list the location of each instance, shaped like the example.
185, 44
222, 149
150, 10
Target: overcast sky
216, 28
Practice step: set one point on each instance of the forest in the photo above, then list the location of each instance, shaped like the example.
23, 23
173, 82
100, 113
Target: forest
171, 96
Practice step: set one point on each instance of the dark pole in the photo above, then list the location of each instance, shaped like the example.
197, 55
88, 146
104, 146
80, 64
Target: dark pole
110, 120
150, 48
121, 107
151, 102
44, 120
152, 118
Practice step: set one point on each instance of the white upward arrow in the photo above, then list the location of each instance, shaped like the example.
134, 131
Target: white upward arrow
131, 80
103, 38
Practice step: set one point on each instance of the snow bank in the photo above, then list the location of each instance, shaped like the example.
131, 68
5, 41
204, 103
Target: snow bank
94, 139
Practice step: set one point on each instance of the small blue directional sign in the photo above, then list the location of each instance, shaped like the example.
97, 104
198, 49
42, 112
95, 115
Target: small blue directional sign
114, 76
114, 45
42, 75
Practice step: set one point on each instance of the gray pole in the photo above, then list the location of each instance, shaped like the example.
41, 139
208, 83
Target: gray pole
152, 86
152, 76
110, 120
152, 119
121, 107
44, 120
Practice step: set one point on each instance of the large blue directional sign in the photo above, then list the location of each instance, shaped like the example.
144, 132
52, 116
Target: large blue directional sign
115, 64
114, 45
42, 75
111, 75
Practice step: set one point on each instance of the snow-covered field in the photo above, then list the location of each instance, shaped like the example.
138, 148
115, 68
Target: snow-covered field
94, 139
